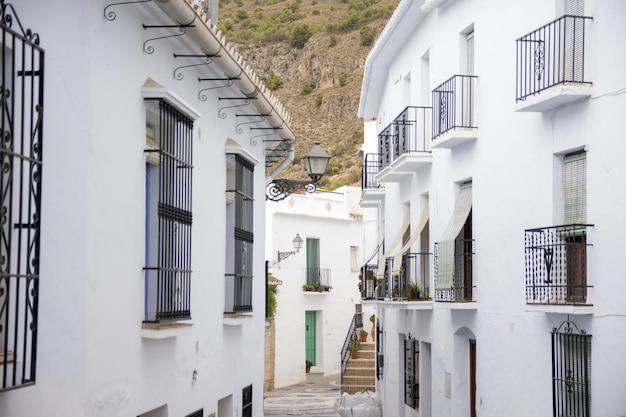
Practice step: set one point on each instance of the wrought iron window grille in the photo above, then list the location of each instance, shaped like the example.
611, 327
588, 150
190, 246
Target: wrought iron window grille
21, 130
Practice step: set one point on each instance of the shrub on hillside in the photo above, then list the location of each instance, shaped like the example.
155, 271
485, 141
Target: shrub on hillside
367, 35
299, 36
273, 81
307, 88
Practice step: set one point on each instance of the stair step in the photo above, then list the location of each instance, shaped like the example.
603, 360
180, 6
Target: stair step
366, 354
353, 389
359, 380
359, 371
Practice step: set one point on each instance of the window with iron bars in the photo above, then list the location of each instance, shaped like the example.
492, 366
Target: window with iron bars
21, 119
240, 238
246, 399
380, 354
168, 151
571, 371
411, 372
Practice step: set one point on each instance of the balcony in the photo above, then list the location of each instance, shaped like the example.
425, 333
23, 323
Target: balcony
407, 285
403, 145
556, 266
454, 119
317, 280
371, 190
238, 294
454, 272
551, 66
367, 282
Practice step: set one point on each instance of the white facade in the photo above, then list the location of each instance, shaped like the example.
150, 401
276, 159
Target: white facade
333, 222
99, 349
512, 160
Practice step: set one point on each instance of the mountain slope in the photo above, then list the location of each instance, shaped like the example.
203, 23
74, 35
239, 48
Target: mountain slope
322, 80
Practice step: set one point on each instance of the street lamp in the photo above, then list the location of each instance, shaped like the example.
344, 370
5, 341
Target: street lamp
315, 163
297, 244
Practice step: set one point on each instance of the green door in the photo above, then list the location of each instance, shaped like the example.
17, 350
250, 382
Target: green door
312, 261
309, 336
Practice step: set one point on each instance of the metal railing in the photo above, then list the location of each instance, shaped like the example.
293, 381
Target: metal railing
371, 168
357, 321
407, 133
551, 55
318, 278
453, 104
22, 108
462, 287
367, 281
556, 264
409, 283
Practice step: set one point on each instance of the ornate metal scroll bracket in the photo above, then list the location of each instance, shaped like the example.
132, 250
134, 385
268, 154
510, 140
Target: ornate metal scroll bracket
547, 257
8, 14
228, 81
221, 111
110, 15
182, 29
569, 327
253, 139
278, 190
208, 59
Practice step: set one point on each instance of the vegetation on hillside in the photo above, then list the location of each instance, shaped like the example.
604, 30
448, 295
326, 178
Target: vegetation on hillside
310, 54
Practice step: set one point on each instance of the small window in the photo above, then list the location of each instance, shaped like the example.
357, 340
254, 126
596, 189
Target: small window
197, 413
246, 406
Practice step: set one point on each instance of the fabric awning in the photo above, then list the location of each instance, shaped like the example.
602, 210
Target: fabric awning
392, 246
445, 264
397, 261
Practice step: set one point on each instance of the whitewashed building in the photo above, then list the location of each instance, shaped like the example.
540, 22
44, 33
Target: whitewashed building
133, 228
319, 291
496, 166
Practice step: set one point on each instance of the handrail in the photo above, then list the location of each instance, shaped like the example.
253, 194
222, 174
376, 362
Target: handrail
345, 351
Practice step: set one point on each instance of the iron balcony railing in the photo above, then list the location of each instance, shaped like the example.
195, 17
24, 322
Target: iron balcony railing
556, 264
408, 283
453, 104
408, 133
462, 285
371, 168
21, 130
553, 54
367, 281
238, 293
318, 278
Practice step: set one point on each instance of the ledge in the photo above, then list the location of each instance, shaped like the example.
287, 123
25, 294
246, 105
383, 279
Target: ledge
370, 197
237, 319
572, 309
450, 305
164, 330
315, 292
405, 304
405, 166
455, 137
553, 97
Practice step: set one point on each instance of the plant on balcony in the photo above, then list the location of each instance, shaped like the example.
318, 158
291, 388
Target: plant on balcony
413, 291
308, 287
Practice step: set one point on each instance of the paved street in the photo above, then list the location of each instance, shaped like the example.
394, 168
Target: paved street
319, 396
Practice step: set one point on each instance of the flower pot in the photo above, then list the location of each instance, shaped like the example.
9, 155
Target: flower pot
308, 369
363, 336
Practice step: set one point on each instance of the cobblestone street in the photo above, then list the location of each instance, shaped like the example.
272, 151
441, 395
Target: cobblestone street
319, 396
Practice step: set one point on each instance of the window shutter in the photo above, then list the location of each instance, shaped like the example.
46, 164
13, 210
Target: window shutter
575, 188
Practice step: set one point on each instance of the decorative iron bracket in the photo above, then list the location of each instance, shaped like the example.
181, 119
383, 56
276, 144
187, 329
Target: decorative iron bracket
228, 81
569, 327
208, 58
149, 49
111, 15
246, 101
285, 255
278, 190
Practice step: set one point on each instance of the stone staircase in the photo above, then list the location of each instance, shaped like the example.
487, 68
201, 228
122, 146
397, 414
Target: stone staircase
360, 374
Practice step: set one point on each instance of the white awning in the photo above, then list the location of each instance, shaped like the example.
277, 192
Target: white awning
445, 255
397, 260
392, 246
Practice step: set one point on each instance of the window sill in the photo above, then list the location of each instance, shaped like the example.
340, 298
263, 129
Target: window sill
164, 330
232, 319
457, 305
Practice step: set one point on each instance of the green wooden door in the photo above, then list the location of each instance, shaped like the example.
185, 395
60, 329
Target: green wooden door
309, 336
312, 261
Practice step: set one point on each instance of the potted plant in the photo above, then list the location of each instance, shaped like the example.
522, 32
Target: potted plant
363, 335
373, 330
308, 366
413, 291
354, 347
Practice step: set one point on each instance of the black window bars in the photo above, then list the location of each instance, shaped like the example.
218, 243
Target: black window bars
21, 139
